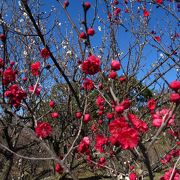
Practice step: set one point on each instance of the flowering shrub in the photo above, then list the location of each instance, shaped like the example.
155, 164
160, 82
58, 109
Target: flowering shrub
96, 90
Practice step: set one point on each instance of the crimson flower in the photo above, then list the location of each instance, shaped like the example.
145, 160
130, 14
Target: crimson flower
132, 176
88, 84
145, 13
54, 115
112, 75
128, 138
83, 146
91, 65
35, 89
43, 129
115, 65
117, 11
2, 37
99, 101
100, 142
175, 85
59, 168
45, 53
167, 175
101, 162
162, 116
9, 76
82, 35
157, 38
175, 97
90, 32
137, 123
151, 104
52, 104
35, 68
87, 5
159, 1
1, 63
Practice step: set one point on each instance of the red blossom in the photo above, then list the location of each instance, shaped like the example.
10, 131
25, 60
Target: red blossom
43, 129
162, 116
122, 79
145, 13
119, 109
159, 1
87, 5
166, 159
35, 68
52, 104
110, 115
78, 115
101, 162
101, 140
137, 123
128, 138
91, 65
99, 101
117, 11
58, 168
15, 95
115, 65
126, 103
151, 104
45, 53
112, 75
82, 35
1, 63
88, 84
167, 175
9, 76
174, 97
37, 89
132, 176
83, 146
90, 32
175, 85
54, 115
87, 118
157, 38
66, 4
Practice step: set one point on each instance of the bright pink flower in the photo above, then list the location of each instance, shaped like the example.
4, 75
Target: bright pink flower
35, 68
9, 76
137, 123
43, 129
78, 115
87, 118
167, 175
175, 85
116, 125
122, 79
99, 101
54, 115
126, 103
132, 176
37, 90
52, 104
128, 138
90, 32
175, 97
83, 146
161, 116
166, 159
159, 1
100, 121
110, 115
91, 65
58, 168
100, 142
117, 11
145, 13
115, 65
101, 162
82, 35
45, 53
151, 104
112, 75
88, 84
15, 95
119, 109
